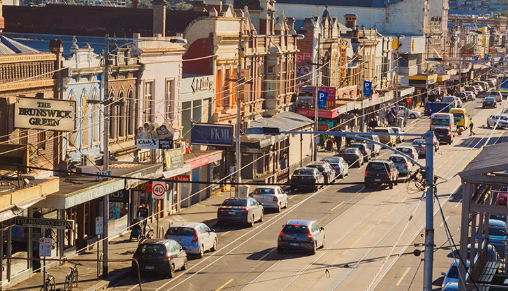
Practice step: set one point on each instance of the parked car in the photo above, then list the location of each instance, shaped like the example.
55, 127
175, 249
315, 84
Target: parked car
462, 96
501, 120
451, 287
271, 197
352, 156
489, 102
243, 210
470, 95
303, 235
195, 237
492, 254
374, 148
403, 164
420, 146
364, 149
325, 169
163, 256
404, 111
388, 139
483, 86
452, 275
408, 150
306, 178
497, 235
491, 82
339, 165
398, 138
497, 95
380, 172
472, 89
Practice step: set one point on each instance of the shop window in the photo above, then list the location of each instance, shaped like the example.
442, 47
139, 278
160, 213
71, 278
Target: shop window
169, 99
148, 101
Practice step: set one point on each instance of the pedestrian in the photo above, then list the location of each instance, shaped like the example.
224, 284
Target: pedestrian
471, 125
143, 214
338, 141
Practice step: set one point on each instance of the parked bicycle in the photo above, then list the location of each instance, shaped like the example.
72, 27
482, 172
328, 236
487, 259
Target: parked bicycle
148, 234
71, 280
49, 284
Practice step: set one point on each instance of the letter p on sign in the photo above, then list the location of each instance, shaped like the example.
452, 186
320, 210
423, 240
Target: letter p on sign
158, 190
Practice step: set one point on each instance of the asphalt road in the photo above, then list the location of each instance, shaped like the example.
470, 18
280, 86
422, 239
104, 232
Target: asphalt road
369, 233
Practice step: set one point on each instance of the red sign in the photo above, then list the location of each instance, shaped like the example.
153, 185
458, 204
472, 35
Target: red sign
342, 71
409, 100
199, 162
321, 113
180, 178
332, 95
323, 127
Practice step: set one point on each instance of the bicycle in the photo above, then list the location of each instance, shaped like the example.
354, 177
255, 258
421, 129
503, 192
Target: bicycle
147, 234
72, 278
49, 284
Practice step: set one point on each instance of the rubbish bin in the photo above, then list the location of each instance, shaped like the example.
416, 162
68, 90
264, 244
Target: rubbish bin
243, 191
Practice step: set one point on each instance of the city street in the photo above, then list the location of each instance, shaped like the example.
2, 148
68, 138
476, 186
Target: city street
367, 232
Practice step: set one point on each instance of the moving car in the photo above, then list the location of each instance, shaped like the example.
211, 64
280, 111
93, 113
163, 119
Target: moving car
403, 165
271, 197
163, 256
470, 95
380, 172
404, 111
460, 116
304, 235
364, 149
352, 156
325, 169
408, 150
443, 134
420, 146
306, 178
501, 120
452, 100
374, 148
497, 95
399, 138
462, 96
472, 89
388, 139
489, 102
194, 237
437, 107
243, 210
339, 165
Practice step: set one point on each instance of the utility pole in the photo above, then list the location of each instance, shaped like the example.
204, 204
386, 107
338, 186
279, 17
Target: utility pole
460, 54
238, 112
427, 43
318, 81
105, 166
429, 212
362, 127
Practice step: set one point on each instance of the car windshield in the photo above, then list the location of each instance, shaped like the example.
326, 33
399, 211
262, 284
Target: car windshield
399, 160
296, 228
405, 150
332, 160
440, 121
453, 272
151, 249
418, 142
458, 115
359, 146
381, 130
235, 202
497, 231
489, 99
319, 167
181, 231
349, 151
304, 172
376, 166
264, 191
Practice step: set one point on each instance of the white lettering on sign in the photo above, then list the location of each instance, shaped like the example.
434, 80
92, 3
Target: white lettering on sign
201, 84
220, 134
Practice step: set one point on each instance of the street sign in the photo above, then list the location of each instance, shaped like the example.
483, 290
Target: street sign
322, 97
44, 222
476, 58
486, 57
158, 190
45, 244
99, 225
367, 88
409, 100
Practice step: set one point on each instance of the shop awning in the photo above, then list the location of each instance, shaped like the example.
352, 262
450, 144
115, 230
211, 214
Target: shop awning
194, 160
16, 209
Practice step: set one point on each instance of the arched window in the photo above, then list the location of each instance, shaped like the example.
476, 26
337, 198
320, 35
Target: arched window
130, 113
85, 121
73, 135
112, 117
121, 114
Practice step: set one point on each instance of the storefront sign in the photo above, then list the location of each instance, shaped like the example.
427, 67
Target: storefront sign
44, 222
49, 114
119, 196
212, 134
201, 84
342, 70
180, 178
153, 143
321, 113
174, 158
323, 127
149, 172
330, 98
94, 192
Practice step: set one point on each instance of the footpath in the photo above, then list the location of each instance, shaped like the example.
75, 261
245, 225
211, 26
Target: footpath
121, 248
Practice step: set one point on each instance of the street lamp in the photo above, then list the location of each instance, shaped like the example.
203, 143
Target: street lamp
239, 80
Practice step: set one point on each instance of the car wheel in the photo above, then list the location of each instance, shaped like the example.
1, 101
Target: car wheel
367, 185
396, 182
185, 264
263, 216
280, 250
286, 205
278, 208
214, 246
391, 185
201, 251
412, 116
171, 271
252, 221
313, 251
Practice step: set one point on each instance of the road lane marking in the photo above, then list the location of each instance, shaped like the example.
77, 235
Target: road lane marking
224, 285
445, 219
458, 203
337, 206
403, 276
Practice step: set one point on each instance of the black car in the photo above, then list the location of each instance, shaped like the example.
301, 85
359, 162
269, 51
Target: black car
242, 210
381, 172
364, 149
462, 96
489, 102
353, 156
306, 178
444, 134
163, 256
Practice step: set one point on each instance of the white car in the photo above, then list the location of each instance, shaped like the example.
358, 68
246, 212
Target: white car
497, 95
400, 138
410, 113
470, 95
271, 197
194, 237
493, 119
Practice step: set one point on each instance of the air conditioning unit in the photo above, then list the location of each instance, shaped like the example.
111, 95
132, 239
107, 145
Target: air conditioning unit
87, 160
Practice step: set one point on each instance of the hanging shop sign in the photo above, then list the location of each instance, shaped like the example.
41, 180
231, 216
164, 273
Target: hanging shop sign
45, 114
174, 159
154, 144
212, 134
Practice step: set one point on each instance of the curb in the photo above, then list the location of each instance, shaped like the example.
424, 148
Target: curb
104, 284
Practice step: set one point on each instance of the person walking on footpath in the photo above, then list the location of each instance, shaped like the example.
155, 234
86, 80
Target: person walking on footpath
143, 214
471, 125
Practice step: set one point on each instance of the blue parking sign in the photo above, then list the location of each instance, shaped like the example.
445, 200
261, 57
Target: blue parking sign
322, 97
367, 88
486, 57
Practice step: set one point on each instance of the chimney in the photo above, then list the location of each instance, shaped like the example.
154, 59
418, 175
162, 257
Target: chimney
350, 20
135, 4
159, 17
198, 5
2, 24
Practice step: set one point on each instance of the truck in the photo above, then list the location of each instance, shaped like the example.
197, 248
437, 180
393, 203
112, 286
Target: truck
437, 107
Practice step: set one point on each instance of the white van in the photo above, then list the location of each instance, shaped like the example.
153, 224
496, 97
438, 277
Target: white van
440, 120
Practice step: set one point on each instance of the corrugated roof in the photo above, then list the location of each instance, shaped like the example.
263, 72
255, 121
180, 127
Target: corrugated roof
492, 158
15, 47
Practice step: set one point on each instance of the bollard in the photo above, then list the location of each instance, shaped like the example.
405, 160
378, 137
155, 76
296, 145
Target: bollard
162, 232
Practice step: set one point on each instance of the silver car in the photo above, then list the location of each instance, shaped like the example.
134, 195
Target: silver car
271, 197
501, 120
194, 237
305, 235
325, 169
243, 210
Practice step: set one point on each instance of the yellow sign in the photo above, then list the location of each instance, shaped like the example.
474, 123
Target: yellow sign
395, 44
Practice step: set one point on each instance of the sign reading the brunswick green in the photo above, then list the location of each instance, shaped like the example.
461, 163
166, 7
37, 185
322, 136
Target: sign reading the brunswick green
48, 114
44, 222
